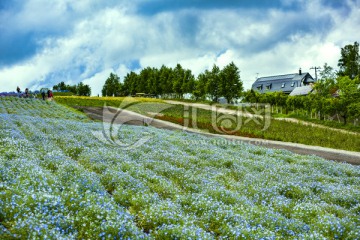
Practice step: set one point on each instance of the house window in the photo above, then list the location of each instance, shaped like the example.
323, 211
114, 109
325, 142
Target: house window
293, 84
268, 87
259, 87
283, 85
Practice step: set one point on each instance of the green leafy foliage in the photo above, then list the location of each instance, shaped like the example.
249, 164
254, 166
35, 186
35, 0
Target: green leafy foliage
176, 82
231, 85
112, 86
349, 62
83, 89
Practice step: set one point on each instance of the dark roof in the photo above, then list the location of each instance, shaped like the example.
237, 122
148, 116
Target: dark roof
272, 78
284, 83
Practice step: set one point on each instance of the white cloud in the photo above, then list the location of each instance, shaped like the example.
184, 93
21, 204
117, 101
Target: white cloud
103, 40
97, 81
346, 25
198, 64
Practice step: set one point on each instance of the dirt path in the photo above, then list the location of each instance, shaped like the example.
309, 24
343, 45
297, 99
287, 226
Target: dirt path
128, 117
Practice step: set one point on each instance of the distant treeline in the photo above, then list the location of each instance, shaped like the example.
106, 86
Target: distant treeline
168, 82
80, 89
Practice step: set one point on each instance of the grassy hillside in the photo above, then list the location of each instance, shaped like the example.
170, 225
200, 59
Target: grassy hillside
60, 181
245, 126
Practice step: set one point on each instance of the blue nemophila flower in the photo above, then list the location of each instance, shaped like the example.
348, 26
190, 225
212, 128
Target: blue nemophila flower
58, 181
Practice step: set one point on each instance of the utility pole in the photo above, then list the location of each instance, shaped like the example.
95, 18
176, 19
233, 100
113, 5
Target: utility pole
316, 68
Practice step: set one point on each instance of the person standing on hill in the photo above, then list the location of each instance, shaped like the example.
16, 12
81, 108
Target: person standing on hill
18, 90
26, 92
49, 94
43, 95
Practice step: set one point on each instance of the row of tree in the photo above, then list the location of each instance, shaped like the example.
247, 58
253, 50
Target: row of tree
80, 89
168, 82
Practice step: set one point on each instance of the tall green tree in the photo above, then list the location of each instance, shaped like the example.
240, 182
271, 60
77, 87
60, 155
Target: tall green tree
178, 75
83, 89
60, 86
349, 96
130, 83
349, 62
326, 85
112, 86
213, 83
188, 82
154, 82
327, 72
165, 83
200, 87
231, 85
144, 80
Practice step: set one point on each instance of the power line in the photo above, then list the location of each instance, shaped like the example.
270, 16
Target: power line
316, 68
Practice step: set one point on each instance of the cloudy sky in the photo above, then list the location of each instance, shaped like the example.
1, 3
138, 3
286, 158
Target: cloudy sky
45, 42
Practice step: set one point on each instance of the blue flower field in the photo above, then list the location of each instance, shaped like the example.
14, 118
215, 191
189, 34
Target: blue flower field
58, 181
